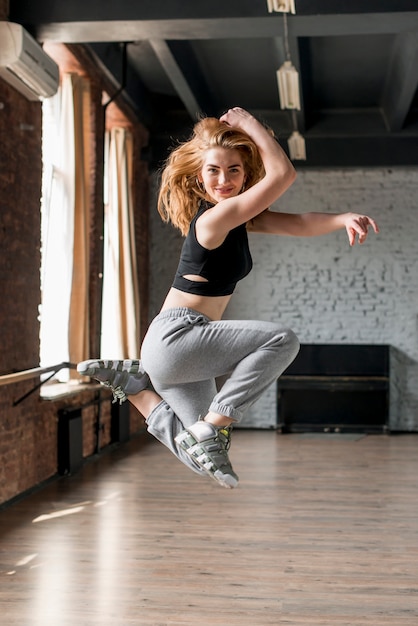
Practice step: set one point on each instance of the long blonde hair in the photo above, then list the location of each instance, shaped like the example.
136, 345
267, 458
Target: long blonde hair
180, 191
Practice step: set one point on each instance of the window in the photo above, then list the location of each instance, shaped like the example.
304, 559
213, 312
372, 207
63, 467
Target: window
65, 219
65, 272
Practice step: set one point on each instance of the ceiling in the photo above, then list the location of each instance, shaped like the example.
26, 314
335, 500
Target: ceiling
357, 61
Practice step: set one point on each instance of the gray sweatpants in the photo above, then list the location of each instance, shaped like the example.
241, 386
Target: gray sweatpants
197, 365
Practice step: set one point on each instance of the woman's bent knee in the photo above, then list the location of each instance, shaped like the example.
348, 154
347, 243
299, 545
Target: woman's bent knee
293, 341
290, 340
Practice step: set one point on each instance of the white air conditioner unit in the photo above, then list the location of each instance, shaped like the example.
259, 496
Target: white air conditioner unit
24, 64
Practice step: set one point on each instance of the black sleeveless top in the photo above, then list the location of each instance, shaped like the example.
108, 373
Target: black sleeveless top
222, 267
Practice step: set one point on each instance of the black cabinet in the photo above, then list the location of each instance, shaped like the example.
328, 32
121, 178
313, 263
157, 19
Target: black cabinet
335, 388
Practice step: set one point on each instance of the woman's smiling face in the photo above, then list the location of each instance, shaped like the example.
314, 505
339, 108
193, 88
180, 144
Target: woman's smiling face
222, 173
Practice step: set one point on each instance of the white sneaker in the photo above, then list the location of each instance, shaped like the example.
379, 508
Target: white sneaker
125, 378
208, 446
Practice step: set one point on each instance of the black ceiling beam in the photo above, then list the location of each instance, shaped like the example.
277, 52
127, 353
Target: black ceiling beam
83, 21
176, 76
181, 66
239, 28
315, 7
335, 124
401, 81
44, 11
360, 152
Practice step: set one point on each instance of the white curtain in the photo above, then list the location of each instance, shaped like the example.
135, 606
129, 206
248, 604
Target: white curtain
64, 216
120, 303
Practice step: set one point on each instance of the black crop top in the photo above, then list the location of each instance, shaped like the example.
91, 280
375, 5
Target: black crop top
222, 267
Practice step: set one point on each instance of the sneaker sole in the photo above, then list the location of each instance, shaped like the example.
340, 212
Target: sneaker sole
225, 480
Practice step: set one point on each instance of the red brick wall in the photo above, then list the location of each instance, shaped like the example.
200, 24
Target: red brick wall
25, 432
28, 431
20, 192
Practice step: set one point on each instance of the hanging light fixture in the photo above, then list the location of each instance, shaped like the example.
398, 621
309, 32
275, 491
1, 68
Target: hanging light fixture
297, 148
281, 6
287, 76
288, 83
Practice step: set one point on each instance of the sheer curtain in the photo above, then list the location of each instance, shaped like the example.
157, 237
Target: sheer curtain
120, 303
65, 219
79, 322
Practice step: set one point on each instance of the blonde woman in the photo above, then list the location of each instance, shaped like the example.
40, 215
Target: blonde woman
215, 188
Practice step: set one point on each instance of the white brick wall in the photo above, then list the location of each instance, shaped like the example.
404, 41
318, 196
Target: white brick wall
326, 291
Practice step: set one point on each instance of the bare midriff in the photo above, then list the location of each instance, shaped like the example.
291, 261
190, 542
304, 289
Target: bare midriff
211, 306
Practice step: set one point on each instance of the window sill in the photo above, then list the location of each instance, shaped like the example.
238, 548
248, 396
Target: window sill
55, 390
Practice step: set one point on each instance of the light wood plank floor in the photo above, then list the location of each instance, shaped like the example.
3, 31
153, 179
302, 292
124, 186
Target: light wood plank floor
322, 531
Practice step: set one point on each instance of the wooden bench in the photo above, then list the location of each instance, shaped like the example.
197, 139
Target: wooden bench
335, 388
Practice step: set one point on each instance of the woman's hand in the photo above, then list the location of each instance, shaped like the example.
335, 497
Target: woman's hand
236, 117
242, 120
357, 226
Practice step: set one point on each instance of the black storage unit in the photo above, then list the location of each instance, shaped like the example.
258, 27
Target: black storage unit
120, 422
70, 441
335, 388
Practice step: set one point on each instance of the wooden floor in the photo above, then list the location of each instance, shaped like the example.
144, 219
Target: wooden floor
322, 531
